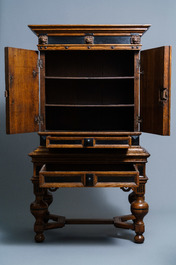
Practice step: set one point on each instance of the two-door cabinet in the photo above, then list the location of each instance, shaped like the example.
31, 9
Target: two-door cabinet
88, 91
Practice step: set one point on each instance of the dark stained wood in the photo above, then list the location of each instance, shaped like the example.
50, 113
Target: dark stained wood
121, 224
155, 112
39, 209
139, 209
89, 221
22, 85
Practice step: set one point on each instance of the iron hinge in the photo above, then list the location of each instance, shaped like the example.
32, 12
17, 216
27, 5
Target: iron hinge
138, 63
139, 119
40, 63
39, 119
138, 67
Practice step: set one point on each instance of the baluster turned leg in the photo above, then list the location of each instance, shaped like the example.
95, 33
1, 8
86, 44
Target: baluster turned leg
48, 198
39, 209
132, 197
139, 209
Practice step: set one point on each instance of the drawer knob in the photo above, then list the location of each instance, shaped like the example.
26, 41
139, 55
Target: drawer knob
88, 142
89, 180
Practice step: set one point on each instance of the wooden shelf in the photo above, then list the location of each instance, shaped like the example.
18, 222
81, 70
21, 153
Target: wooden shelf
89, 77
85, 106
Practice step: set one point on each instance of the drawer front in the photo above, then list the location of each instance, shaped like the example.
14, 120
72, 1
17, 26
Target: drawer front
126, 175
88, 142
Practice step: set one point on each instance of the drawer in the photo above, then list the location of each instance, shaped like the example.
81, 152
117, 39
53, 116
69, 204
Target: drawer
119, 175
88, 142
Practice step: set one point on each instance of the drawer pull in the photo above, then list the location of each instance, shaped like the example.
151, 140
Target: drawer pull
89, 180
88, 142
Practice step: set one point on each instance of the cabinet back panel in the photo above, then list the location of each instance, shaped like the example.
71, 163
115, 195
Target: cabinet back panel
89, 63
90, 91
90, 118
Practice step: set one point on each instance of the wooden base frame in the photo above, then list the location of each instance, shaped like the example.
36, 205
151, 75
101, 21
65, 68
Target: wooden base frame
47, 221
43, 196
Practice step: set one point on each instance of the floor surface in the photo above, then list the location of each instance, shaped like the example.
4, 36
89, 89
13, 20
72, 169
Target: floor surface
85, 245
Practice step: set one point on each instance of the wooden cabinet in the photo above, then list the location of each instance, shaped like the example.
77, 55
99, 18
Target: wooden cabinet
89, 91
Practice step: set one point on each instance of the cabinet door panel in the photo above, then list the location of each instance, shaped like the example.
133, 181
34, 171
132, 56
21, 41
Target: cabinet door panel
22, 90
155, 90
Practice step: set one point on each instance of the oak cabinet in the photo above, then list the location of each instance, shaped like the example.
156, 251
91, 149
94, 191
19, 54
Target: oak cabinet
89, 91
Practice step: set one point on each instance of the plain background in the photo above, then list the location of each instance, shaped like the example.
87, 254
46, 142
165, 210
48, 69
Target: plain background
85, 245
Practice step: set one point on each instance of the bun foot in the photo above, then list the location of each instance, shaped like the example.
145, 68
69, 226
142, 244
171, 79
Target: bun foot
39, 238
139, 239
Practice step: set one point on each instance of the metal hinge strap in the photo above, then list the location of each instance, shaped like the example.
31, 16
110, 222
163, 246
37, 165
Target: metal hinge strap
40, 63
138, 63
38, 119
139, 119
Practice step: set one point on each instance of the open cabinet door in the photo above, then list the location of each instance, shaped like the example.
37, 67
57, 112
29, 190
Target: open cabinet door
155, 92
22, 90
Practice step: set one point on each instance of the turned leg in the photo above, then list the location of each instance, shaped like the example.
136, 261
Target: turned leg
39, 209
132, 197
48, 198
139, 209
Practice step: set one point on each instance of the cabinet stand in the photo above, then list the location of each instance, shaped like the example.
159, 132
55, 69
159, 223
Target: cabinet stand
39, 209
43, 196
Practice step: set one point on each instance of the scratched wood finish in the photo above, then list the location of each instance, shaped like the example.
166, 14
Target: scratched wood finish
22, 96
155, 113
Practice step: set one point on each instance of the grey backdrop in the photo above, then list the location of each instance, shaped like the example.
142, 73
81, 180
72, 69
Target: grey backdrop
16, 221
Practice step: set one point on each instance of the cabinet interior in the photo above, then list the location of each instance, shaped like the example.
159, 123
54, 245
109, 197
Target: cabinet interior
89, 90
